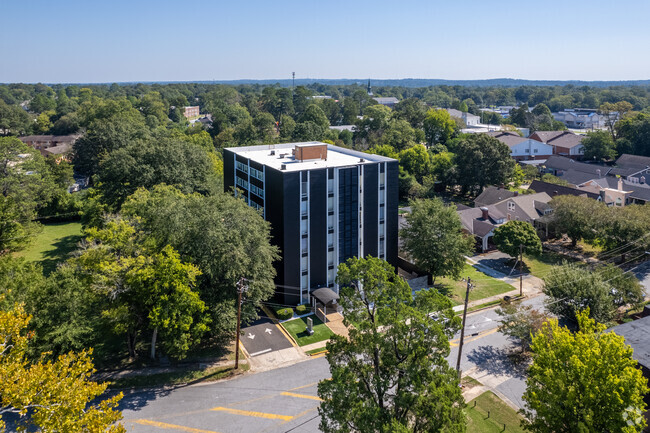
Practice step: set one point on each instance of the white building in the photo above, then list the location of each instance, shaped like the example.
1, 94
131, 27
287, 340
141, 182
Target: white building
469, 118
522, 148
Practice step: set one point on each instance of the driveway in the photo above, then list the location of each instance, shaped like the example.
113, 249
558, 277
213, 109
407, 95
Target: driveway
263, 337
642, 272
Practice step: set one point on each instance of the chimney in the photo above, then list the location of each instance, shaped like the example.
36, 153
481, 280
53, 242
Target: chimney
484, 213
620, 184
555, 192
516, 193
642, 180
598, 171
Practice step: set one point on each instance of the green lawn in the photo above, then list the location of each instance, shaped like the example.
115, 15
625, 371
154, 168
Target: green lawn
53, 244
540, 266
484, 286
500, 414
298, 330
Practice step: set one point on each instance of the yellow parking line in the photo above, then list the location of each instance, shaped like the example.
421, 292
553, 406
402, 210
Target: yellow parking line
293, 394
171, 426
286, 334
304, 386
455, 342
251, 413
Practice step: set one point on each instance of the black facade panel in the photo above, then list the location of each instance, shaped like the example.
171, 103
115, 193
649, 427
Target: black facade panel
392, 203
348, 213
317, 228
273, 190
370, 210
291, 223
228, 170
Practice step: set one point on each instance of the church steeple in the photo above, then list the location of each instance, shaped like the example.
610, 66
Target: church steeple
369, 88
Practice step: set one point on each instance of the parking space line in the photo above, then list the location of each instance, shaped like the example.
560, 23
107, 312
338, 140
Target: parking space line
251, 413
288, 337
166, 426
261, 352
293, 394
304, 386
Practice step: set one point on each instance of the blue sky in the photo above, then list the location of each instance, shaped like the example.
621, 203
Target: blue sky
115, 41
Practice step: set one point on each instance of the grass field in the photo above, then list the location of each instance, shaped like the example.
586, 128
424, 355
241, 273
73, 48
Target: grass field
500, 414
298, 330
53, 245
484, 286
540, 266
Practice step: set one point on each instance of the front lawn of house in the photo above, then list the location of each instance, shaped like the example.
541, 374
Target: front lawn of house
484, 286
298, 330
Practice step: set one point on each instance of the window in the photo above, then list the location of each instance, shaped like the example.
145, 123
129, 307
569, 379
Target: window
303, 264
330, 204
536, 150
330, 186
527, 150
511, 205
241, 183
303, 208
257, 174
243, 167
303, 227
303, 245
257, 190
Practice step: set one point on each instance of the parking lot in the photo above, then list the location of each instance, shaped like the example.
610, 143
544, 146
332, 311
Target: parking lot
263, 336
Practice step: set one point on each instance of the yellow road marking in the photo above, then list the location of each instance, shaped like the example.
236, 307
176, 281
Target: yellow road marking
164, 425
251, 413
301, 414
455, 342
304, 386
289, 337
293, 394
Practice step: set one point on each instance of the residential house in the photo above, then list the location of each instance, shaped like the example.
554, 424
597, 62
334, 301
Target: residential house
325, 205
492, 195
634, 168
469, 118
191, 112
482, 221
574, 172
389, 101
565, 143
57, 146
581, 118
555, 190
523, 148
616, 191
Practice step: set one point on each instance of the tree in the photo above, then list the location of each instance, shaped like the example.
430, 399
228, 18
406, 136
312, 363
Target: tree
315, 114
549, 178
599, 145
510, 236
57, 394
520, 322
604, 290
399, 134
223, 236
165, 160
434, 238
147, 290
482, 160
614, 112
633, 135
578, 217
416, 160
439, 127
583, 382
392, 373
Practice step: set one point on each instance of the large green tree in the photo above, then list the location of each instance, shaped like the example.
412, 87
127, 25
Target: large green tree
586, 381
578, 217
482, 160
434, 238
439, 127
392, 373
510, 236
599, 146
223, 236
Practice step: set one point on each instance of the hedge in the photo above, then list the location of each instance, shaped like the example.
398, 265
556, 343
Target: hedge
302, 309
284, 313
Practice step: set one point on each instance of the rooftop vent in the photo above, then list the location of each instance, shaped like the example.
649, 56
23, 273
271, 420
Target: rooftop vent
272, 152
283, 167
362, 160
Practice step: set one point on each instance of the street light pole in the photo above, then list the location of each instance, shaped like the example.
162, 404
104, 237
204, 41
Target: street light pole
521, 275
462, 329
240, 290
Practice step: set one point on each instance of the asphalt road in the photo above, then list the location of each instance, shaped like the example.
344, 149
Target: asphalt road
280, 400
263, 337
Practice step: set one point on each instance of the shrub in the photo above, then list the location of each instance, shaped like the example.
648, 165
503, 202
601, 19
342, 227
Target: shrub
302, 309
284, 313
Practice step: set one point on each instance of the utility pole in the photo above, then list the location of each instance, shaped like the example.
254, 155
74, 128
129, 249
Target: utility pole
521, 275
293, 81
240, 290
462, 329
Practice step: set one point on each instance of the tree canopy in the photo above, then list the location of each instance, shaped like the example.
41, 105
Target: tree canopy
392, 373
583, 382
509, 236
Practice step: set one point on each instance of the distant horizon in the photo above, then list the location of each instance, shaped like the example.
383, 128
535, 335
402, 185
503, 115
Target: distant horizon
333, 81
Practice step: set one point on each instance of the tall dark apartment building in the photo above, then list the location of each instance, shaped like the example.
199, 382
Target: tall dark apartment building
325, 204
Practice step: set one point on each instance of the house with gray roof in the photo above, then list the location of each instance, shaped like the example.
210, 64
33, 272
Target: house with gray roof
572, 171
564, 143
482, 221
389, 101
469, 118
492, 195
632, 167
522, 148
637, 335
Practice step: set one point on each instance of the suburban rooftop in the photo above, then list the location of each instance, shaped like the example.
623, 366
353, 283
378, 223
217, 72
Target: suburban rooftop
277, 155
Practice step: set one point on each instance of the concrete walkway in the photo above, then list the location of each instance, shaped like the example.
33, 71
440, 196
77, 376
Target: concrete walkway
335, 323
